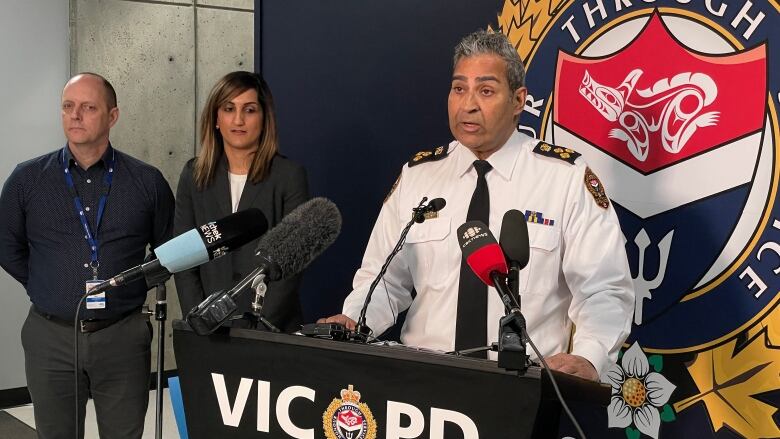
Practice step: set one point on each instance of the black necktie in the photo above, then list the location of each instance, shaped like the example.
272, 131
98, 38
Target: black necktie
471, 325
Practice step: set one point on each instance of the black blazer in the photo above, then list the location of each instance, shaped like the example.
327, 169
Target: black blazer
283, 189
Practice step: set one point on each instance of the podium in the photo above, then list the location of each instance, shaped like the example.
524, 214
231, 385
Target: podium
240, 383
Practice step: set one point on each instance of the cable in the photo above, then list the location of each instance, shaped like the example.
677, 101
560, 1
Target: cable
361, 322
76, 360
516, 302
389, 305
555, 386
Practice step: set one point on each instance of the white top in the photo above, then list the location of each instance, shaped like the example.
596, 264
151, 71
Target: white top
577, 273
237, 183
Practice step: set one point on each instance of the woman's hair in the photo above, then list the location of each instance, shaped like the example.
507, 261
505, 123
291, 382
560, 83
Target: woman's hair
212, 145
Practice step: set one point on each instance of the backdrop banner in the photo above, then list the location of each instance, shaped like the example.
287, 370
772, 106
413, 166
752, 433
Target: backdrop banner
673, 103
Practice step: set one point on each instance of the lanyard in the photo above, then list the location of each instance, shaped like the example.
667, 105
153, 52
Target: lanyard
91, 238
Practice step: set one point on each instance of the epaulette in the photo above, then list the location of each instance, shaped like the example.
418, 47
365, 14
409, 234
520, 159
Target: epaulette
557, 152
429, 156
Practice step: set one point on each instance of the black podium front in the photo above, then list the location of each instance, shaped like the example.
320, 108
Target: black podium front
251, 384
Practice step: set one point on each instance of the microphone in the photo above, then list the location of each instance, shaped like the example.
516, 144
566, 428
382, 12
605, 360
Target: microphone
486, 258
289, 247
195, 247
514, 241
299, 238
362, 332
434, 205
481, 251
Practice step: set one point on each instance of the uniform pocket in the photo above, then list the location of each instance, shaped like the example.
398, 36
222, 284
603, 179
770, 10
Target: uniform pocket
432, 252
543, 237
544, 264
436, 229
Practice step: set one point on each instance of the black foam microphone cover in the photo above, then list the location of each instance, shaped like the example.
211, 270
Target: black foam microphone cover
299, 238
514, 238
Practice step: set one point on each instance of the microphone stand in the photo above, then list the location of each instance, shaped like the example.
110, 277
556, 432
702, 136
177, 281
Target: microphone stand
514, 282
511, 328
255, 316
362, 331
160, 314
220, 306
513, 335
156, 278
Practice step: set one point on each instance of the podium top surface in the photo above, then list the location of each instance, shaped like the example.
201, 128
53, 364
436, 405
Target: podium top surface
573, 388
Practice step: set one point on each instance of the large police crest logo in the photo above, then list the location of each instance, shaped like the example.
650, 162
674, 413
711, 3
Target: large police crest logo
348, 418
675, 135
674, 105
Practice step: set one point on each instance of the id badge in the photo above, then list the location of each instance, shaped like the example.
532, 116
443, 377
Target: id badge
97, 301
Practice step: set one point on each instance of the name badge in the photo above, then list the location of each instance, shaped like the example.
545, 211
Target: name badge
97, 301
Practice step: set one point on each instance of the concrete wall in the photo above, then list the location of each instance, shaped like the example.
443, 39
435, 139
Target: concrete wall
162, 58
34, 50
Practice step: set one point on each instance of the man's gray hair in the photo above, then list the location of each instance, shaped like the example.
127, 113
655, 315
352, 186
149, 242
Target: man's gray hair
493, 43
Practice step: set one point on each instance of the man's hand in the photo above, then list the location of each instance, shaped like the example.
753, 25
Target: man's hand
339, 318
573, 365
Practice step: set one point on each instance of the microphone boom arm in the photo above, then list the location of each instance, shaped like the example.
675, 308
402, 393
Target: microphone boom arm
362, 331
500, 281
218, 307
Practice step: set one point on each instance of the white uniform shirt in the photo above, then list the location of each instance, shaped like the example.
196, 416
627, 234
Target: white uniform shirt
577, 271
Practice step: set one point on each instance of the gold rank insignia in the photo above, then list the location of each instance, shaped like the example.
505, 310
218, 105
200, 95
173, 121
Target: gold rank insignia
429, 156
596, 188
565, 154
421, 155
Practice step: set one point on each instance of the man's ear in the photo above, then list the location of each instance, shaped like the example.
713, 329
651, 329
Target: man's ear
519, 100
113, 116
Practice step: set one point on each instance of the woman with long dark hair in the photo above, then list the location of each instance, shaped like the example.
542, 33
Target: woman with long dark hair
238, 167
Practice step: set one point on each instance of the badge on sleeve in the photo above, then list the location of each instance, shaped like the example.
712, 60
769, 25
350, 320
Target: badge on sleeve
97, 301
392, 189
596, 188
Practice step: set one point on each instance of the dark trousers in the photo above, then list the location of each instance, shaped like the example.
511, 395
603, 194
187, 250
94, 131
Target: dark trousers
114, 369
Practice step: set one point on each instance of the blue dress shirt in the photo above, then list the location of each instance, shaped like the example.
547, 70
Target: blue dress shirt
42, 242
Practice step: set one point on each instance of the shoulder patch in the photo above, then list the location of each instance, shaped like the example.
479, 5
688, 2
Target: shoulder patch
392, 189
429, 156
558, 152
596, 188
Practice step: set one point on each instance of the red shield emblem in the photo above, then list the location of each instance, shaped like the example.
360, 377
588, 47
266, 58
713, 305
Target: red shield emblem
350, 420
651, 112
